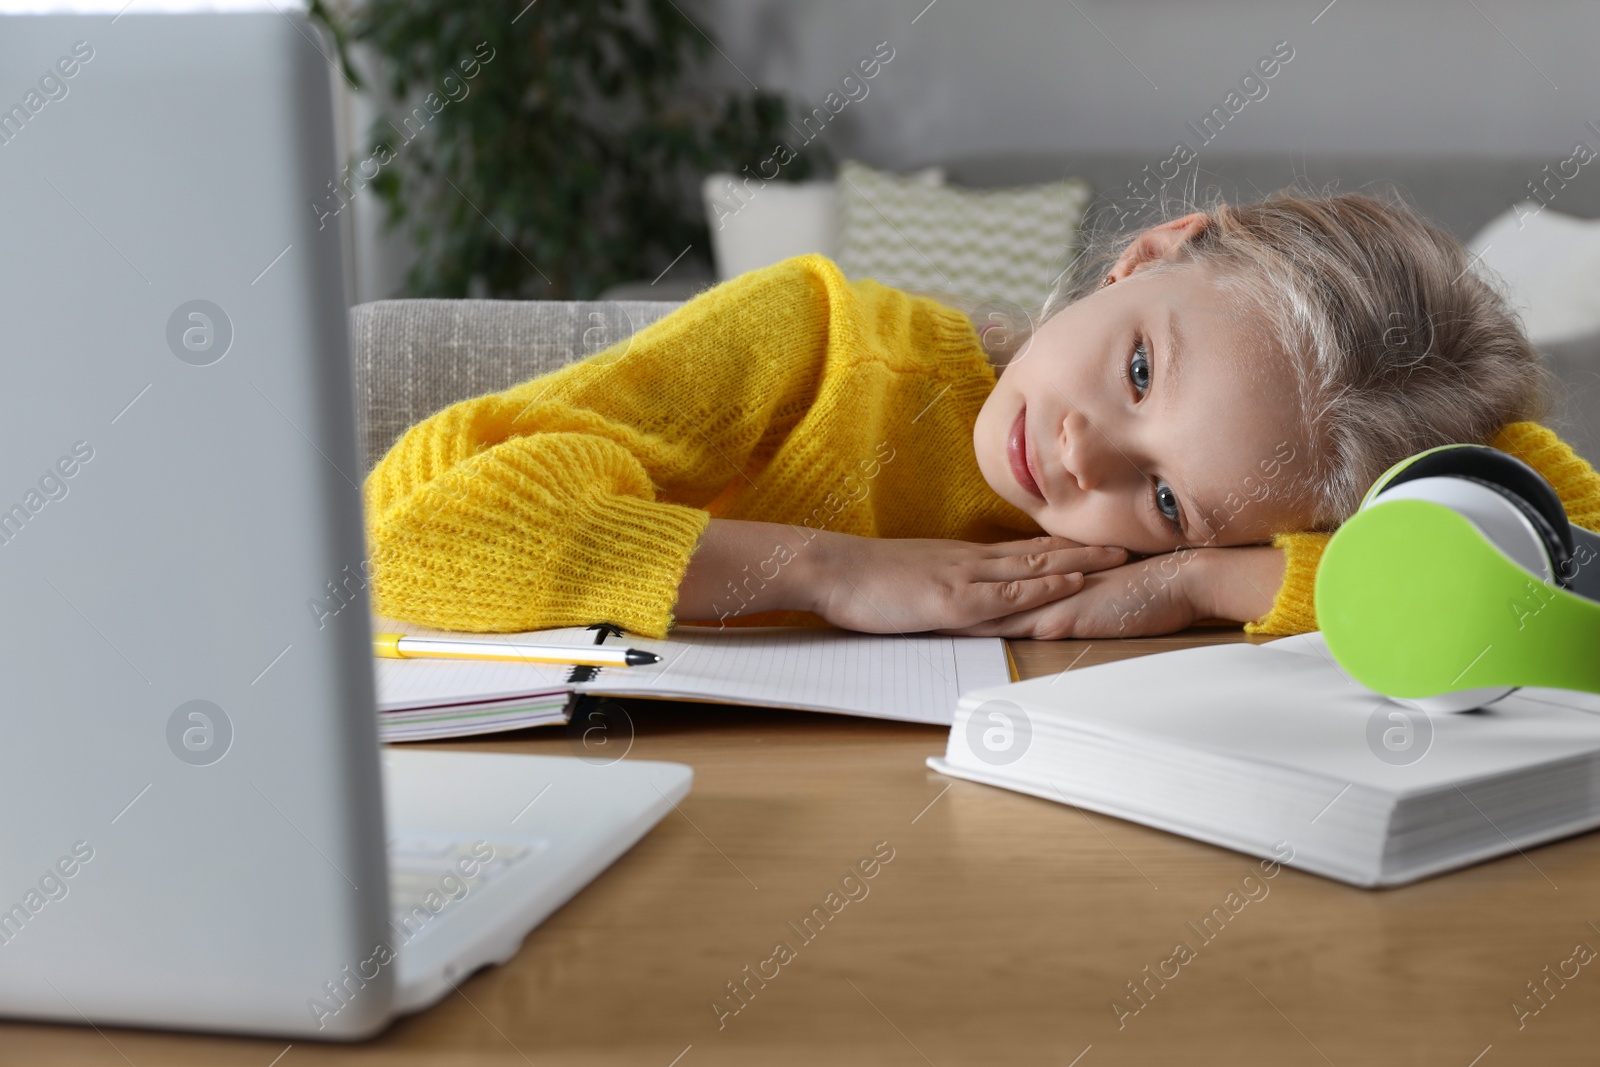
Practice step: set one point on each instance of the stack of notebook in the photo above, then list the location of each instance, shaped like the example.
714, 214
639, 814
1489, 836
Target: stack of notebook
1272, 750
917, 679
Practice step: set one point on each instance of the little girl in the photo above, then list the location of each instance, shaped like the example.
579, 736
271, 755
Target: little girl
1198, 405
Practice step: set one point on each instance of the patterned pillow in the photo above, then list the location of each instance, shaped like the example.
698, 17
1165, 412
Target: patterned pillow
755, 223
983, 244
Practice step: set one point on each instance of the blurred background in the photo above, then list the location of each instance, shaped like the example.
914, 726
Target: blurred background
645, 149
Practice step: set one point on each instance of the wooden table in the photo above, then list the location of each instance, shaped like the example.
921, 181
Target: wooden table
1002, 931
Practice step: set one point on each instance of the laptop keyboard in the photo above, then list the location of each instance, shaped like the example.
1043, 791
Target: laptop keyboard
429, 877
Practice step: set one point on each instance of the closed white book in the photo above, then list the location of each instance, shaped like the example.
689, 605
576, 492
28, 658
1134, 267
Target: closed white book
1274, 751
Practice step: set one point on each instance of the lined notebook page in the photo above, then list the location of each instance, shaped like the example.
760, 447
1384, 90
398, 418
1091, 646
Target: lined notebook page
917, 679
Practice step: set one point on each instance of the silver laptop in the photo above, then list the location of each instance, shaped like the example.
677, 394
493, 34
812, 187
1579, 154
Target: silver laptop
197, 826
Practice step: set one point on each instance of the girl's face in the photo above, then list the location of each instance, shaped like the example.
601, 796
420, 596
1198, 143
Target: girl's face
1152, 414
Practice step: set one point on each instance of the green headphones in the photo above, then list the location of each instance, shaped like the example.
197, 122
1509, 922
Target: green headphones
1458, 580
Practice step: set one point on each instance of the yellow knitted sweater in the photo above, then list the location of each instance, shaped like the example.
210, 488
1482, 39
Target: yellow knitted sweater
788, 394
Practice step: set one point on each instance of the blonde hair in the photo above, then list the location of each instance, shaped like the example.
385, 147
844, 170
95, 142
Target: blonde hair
1396, 342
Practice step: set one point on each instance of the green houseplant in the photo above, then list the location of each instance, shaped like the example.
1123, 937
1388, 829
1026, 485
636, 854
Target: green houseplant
546, 149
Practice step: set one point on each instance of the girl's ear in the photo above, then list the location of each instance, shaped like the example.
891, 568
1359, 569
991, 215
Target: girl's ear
1155, 243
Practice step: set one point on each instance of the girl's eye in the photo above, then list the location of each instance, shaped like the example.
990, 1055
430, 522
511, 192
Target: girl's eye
1139, 367
1167, 504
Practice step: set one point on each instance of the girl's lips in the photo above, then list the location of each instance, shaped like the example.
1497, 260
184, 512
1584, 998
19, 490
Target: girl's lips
1017, 452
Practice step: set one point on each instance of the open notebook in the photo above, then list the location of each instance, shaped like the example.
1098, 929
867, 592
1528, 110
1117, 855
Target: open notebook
918, 678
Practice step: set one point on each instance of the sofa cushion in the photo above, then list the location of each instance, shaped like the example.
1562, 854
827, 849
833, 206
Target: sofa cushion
979, 244
754, 224
1550, 262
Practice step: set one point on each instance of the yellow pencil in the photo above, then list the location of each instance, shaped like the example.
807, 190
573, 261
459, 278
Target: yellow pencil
406, 646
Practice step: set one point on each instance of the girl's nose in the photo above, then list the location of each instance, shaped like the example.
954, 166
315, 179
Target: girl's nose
1087, 454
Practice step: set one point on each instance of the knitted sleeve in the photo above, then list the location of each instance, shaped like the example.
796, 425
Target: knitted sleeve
1293, 609
1577, 483
579, 496
1573, 478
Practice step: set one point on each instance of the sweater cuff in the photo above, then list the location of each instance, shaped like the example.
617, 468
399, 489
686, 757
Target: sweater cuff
1294, 608
641, 547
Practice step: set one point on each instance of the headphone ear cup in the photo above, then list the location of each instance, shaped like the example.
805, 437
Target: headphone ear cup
1455, 585
1506, 523
1417, 597
1500, 515
1519, 483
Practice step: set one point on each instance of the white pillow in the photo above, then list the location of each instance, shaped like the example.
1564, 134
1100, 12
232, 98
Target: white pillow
1551, 263
754, 224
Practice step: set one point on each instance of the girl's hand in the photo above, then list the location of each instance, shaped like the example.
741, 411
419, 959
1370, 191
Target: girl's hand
902, 585
1155, 595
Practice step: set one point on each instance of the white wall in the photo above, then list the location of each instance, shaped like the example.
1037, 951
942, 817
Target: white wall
1439, 77
1002, 75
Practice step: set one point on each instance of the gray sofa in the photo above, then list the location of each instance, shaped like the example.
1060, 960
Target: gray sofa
413, 357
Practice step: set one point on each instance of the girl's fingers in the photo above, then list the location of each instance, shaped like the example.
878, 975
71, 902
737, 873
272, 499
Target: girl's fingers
1038, 563
999, 599
1044, 543
1024, 623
